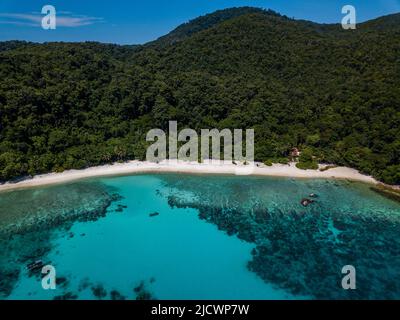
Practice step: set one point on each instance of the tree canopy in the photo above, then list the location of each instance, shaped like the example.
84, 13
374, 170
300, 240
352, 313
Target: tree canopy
332, 92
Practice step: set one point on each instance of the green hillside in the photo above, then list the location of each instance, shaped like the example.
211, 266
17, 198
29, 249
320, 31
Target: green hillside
334, 93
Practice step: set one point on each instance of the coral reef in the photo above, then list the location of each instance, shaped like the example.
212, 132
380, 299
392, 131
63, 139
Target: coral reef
26, 234
302, 249
99, 292
141, 291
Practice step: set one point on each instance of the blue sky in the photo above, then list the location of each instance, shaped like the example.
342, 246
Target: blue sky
134, 21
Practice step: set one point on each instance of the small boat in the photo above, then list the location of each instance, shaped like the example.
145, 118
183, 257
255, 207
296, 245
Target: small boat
35, 265
306, 202
313, 195
155, 214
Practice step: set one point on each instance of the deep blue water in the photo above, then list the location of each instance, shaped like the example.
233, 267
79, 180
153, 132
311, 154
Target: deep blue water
212, 238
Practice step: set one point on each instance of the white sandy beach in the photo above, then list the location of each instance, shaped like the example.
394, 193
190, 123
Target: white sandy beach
132, 167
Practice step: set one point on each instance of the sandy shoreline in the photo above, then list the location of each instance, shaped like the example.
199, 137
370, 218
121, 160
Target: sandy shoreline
132, 167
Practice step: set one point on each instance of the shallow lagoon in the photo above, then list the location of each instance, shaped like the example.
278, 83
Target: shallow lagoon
213, 238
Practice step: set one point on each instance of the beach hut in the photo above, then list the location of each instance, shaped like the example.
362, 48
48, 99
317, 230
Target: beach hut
295, 153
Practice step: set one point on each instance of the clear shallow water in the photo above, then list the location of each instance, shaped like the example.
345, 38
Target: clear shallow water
214, 238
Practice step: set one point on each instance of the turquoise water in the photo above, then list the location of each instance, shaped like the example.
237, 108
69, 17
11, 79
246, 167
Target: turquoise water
212, 238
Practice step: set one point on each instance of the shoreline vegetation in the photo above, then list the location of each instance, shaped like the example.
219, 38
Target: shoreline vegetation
132, 167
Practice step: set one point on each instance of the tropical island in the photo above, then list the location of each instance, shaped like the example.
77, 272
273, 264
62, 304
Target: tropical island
78, 194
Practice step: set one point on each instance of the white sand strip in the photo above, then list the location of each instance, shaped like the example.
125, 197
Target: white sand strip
132, 167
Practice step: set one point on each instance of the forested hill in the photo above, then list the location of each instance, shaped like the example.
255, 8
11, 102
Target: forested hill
334, 93
186, 30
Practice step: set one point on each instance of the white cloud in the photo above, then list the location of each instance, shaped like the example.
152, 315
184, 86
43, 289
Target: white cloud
64, 19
